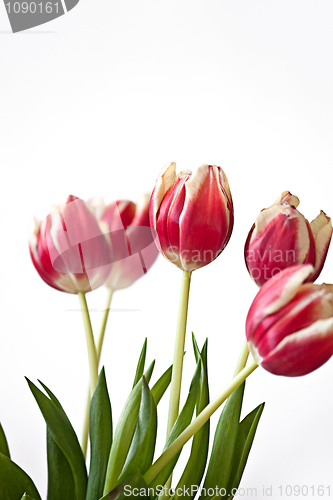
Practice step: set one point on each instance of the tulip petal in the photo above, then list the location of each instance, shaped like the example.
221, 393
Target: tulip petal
303, 351
70, 252
289, 198
312, 302
133, 246
275, 294
206, 219
321, 228
164, 182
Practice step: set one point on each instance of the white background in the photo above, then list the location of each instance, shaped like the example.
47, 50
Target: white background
96, 102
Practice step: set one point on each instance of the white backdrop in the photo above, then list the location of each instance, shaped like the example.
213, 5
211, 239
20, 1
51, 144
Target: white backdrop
96, 102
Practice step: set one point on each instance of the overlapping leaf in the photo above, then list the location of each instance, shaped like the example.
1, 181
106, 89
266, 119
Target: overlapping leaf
14, 482
100, 421
181, 423
124, 433
132, 488
196, 463
141, 452
3, 443
64, 437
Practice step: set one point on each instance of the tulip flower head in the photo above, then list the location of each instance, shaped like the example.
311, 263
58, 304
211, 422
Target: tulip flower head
132, 246
192, 215
69, 250
282, 237
289, 327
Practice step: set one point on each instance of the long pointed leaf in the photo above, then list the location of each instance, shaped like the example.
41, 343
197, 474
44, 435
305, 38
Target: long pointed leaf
181, 423
123, 434
14, 482
60, 481
141, 452
196, 463
133, 487
220, 463
3, 443
246, 433
100, 438
64, 436
141, 364
161, 385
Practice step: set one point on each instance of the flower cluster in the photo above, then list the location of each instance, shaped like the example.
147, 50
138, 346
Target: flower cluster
189, 219
81, 246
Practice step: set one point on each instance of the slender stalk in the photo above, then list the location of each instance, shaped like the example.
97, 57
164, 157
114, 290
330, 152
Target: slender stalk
92, 355
178, 357
197, 423
100, 339
241, 363
84, 442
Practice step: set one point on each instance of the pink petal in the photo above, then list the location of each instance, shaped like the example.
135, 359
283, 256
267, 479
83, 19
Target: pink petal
275, 294
303, 351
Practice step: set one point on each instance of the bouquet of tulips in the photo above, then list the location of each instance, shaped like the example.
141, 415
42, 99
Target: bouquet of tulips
189, 219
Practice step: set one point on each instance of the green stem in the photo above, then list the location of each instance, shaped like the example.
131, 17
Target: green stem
92, 355
197, 423
178, 357
241, 363
84, 442
177, 367
103, 324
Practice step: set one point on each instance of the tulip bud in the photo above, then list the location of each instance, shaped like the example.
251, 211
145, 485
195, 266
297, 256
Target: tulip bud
192, 215
289, 327
282, 237
126, 226
69, 250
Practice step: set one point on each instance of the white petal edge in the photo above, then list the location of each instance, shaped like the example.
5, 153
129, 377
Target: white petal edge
290, 289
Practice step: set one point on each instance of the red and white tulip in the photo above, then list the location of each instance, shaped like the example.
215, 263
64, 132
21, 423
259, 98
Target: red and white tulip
289, 327
282, 237
132, 246
192, 215
69, 250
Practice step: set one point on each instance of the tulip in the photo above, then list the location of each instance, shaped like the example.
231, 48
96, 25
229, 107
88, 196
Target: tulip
192, 215
132, 245
69, 250
289, 327
282, 237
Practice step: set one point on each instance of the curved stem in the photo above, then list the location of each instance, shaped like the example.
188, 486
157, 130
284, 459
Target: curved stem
241, 363
100, 339
92, 355
85, 432
197, 423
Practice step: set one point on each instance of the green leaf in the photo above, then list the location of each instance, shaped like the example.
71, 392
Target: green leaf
161, 385
133, 487
141, 452
3, 443
100, 422
65, 438
124, 433
181, 423
220, 463
196, 463
14, 482
246, 433
141, 364
60, 481
26, 497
